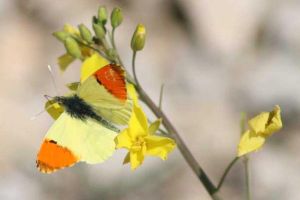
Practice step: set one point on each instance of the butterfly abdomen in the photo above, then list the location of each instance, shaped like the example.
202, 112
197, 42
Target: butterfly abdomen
79, 109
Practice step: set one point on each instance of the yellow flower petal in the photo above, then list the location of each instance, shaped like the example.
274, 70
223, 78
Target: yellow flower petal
141, 117
136, 159
250, 142
259, 122
266, 123
54, 109
138, 138
138, 125
91, 65
64, 61
159, 146
154, 127
123, 140
274, 122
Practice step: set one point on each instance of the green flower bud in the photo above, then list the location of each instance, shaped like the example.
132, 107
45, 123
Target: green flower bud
102, 14
138, 38
111, 53
85, 33
99, 31
116, 17
61, 35
72, 47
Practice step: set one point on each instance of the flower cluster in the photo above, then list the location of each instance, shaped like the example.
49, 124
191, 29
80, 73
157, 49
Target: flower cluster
94, 51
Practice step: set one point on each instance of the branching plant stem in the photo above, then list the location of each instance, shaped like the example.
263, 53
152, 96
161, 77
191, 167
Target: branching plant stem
190, 159
186, 153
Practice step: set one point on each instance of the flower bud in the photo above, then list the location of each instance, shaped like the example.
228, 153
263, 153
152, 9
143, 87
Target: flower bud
85, 33
99, 31
138, 38
102, 15
111, 53
68, 28
116, 17
61, 35
72, 47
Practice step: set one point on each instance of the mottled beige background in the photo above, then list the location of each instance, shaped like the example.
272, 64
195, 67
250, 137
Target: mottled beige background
216, 58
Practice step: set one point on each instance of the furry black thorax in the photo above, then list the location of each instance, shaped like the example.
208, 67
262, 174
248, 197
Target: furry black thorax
78, 108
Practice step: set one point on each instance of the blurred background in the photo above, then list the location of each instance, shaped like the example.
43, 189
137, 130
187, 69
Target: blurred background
216, 59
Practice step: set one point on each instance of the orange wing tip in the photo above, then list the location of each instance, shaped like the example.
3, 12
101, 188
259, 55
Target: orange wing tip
112, 77
53, 157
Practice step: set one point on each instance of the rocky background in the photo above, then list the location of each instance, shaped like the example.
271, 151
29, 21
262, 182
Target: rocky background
216, 59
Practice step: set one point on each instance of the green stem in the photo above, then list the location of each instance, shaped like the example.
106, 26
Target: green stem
226, 172
190, 159
93, 48
112, 40
246, 158
134, 70
105, 44
163, 132
243, 123
161, 96
247, 177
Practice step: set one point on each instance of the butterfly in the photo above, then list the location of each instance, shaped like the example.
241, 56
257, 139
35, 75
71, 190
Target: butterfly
85, 128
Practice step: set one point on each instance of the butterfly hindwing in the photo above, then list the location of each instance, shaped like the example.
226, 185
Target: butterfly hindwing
71, 140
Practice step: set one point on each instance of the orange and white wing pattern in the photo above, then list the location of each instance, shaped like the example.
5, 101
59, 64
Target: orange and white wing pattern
72, 140
106, 92
112, 77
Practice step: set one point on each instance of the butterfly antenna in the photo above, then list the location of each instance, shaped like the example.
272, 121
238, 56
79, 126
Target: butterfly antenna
39, 113
48, 97
53, 79
36, 115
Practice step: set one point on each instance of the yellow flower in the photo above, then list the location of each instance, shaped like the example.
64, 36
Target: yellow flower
140, 141
260, 128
